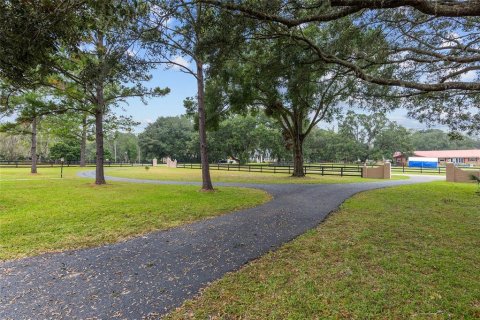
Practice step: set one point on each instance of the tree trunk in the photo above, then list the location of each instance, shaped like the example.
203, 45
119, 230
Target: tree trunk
206, 180
298, 170
33, 150
83, 144
99, 110
99, 172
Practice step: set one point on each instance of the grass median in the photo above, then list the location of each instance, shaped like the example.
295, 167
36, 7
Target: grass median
41, 213
396, 253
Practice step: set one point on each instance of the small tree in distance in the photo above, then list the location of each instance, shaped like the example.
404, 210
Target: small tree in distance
29, 108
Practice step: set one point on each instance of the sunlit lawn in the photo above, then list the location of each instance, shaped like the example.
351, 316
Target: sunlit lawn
409, 252
180, 174
43, 173
42, 213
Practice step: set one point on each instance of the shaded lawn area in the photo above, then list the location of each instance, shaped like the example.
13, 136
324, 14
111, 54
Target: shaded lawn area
396, 253
180, 174
50, 215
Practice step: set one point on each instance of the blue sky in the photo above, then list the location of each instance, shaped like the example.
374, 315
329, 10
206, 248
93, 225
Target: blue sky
181, 86
184, 85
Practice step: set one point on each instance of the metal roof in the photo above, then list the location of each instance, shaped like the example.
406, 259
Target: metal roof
474, 153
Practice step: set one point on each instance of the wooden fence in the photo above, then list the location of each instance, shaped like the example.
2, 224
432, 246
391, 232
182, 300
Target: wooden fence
405, 169
329, 170
44, 164
440, 170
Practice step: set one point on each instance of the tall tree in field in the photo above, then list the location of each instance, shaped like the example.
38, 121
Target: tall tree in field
182, 39
287, 82
29, 109
106, 68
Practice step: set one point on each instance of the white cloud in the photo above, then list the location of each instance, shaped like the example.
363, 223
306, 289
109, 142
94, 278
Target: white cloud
179, 61
469, 76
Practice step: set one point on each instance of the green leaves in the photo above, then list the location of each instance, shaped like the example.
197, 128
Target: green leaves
169, 136
31, 33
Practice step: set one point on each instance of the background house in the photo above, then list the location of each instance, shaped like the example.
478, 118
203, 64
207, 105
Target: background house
467, 157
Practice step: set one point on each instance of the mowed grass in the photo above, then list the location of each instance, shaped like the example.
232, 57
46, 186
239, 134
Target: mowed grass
44, 214
410, 252
180, 174
43, 173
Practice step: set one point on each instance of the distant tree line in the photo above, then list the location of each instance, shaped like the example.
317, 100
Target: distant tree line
359, 137
54, 143
251, 138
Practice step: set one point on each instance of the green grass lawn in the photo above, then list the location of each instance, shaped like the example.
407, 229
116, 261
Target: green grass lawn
180, 174
43, 173
44, 214
409, 252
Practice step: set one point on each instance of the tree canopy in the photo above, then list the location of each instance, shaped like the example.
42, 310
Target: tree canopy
430, 58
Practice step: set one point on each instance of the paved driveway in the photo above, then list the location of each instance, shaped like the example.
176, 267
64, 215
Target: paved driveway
152, 274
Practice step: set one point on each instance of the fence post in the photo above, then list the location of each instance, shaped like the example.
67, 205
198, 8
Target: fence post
322, 170
305, 170
289, 169
261, 168
228, 166
274, 169
341, 171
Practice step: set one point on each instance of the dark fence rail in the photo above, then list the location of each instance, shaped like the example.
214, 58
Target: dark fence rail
308, 169
439, 170
405, 169
27, 163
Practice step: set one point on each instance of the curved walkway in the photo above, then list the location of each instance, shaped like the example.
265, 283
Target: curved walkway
149, 275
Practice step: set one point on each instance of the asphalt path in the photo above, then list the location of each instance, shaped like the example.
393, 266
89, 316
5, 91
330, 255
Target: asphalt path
148, 276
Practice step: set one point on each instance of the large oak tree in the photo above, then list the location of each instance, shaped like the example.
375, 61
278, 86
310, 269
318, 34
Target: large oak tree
432, 50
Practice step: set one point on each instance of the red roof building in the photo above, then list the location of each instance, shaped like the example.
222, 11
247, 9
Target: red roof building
444, 156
